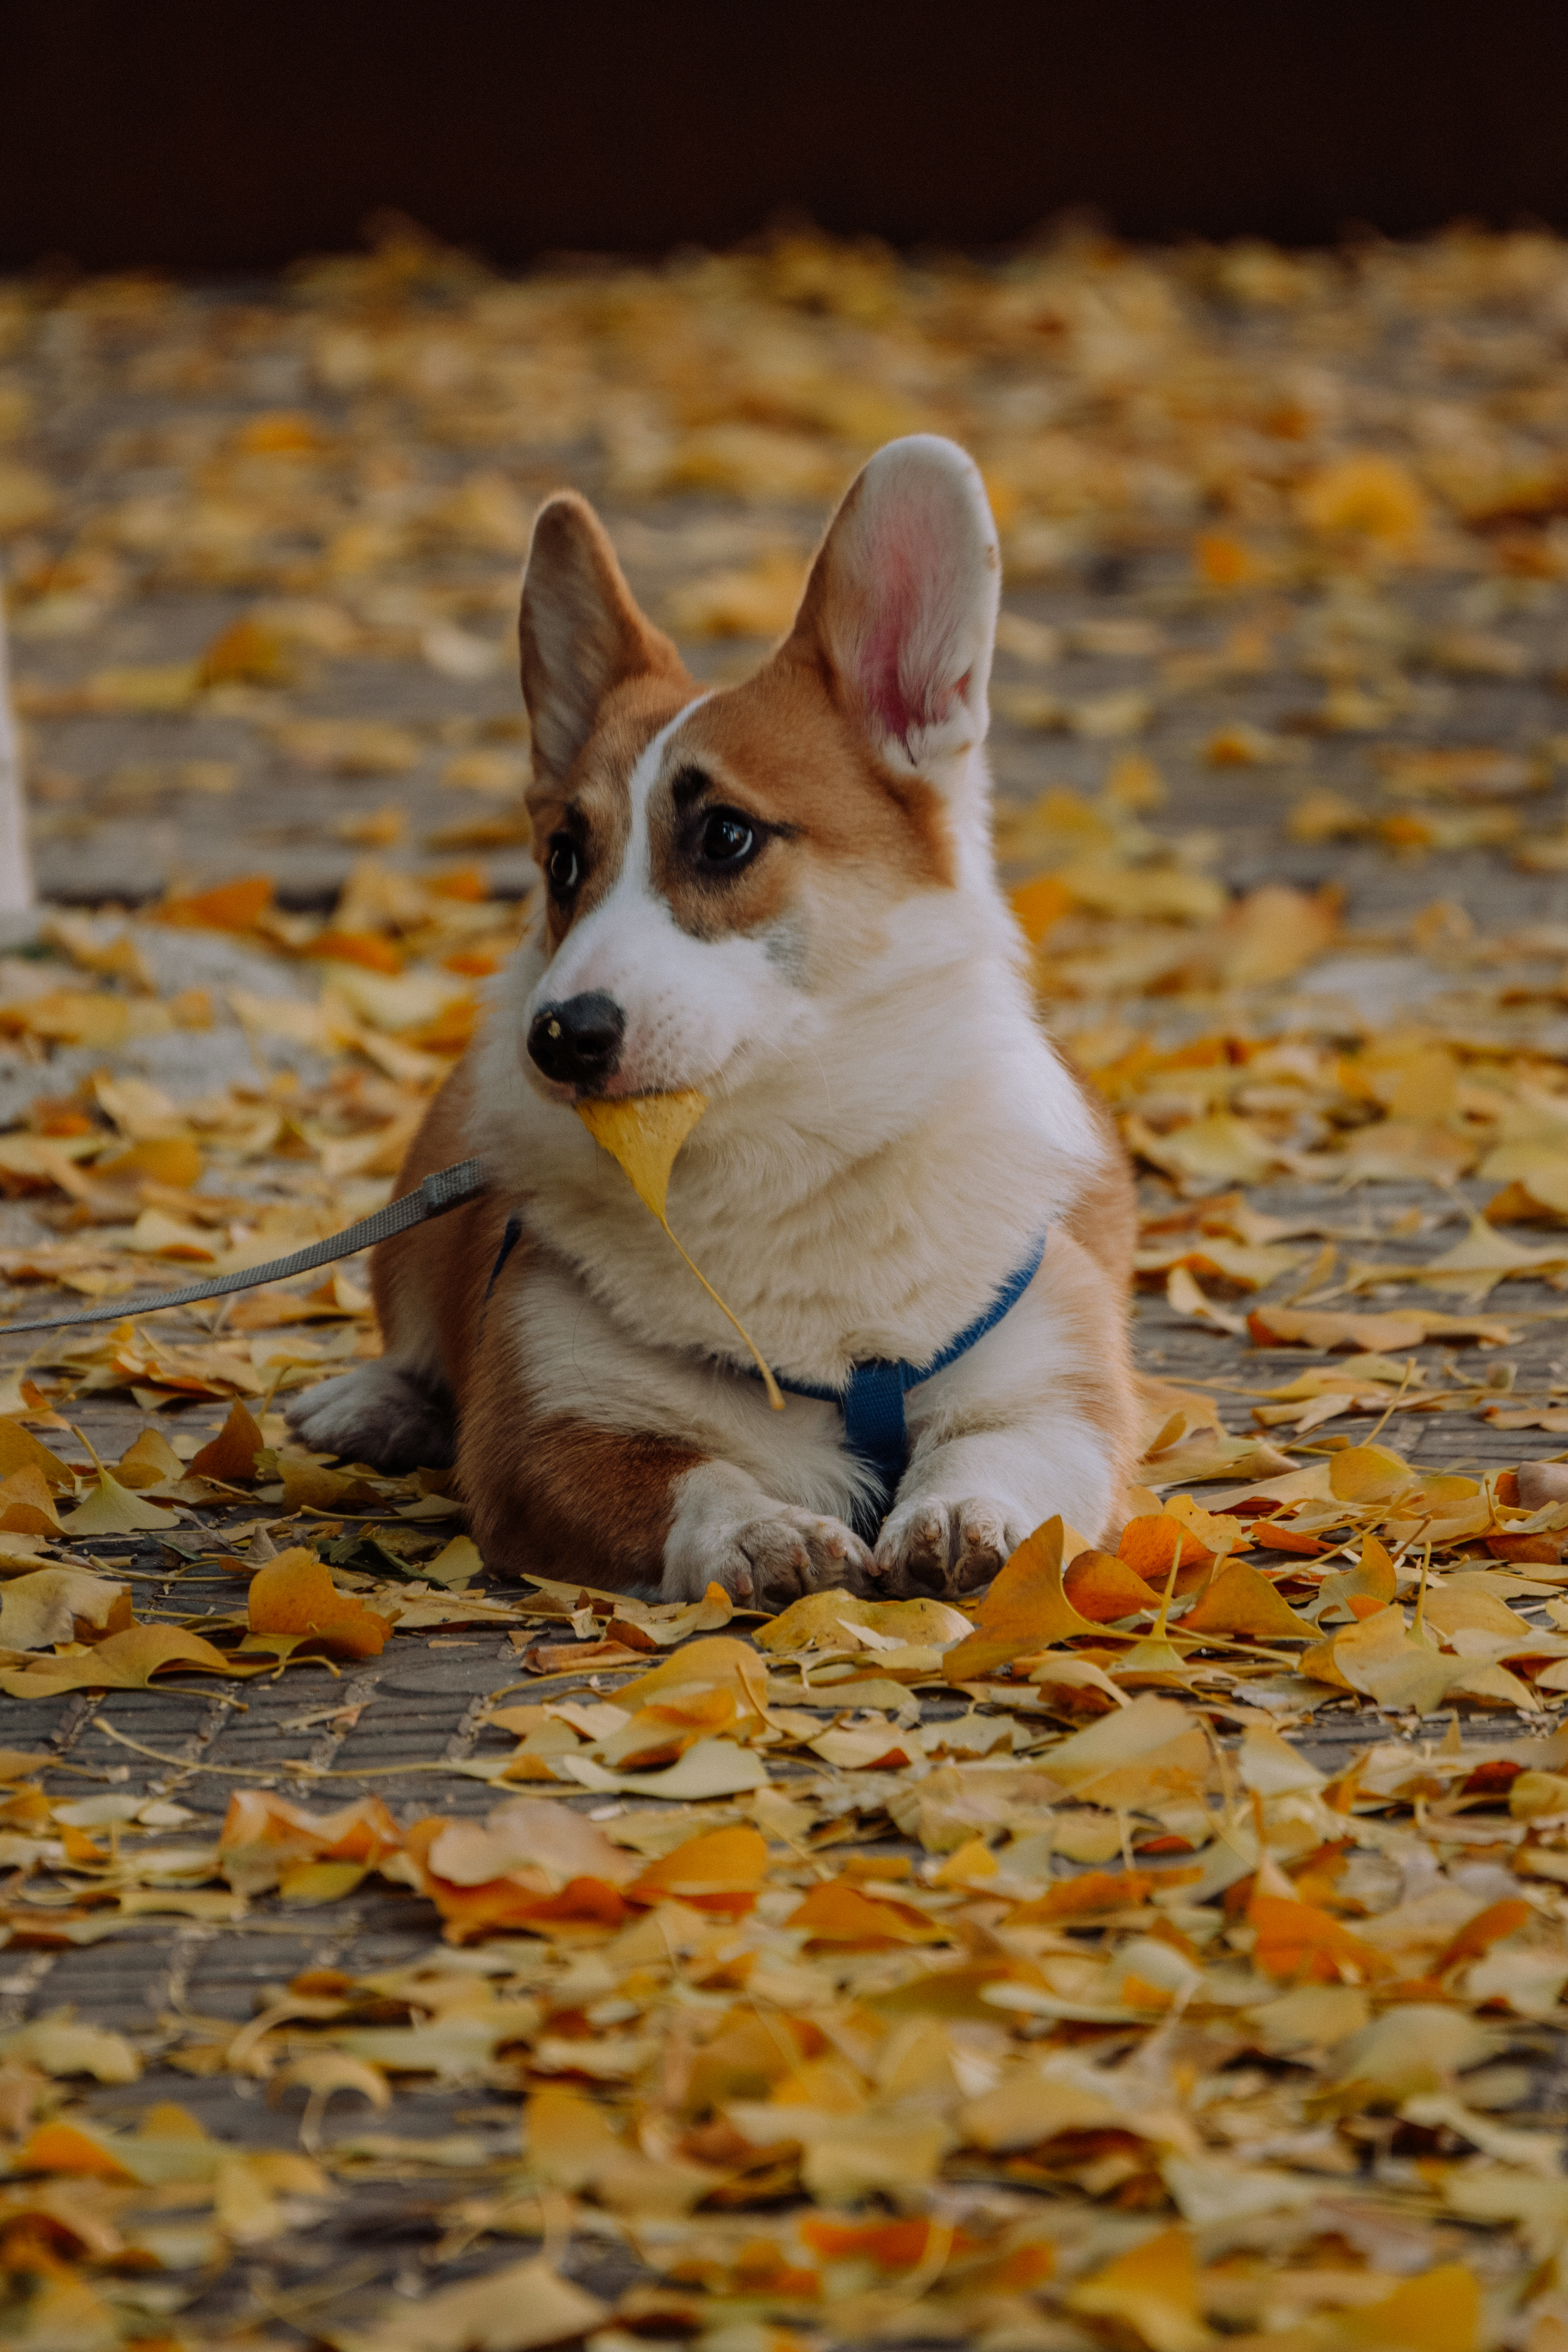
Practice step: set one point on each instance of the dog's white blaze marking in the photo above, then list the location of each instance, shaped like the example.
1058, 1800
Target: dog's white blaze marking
632, 891
634, 879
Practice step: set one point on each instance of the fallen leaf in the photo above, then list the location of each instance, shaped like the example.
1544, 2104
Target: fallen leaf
231, 1454
514, 2309
817, 1621
1242, 1601
26, 1505
1152, 2290
1026, 1608
294, 1596
644, 1133
111, 1509
1390, 1334
126, 1661
37, 1611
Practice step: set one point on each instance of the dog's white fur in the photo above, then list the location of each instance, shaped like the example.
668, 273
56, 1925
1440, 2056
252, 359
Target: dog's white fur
889, 1133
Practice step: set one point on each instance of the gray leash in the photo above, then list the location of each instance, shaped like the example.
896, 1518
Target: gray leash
448, 1188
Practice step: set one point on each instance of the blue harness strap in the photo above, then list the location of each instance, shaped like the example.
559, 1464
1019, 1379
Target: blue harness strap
873, 1400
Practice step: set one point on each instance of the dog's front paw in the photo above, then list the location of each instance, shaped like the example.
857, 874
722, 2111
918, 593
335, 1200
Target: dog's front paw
377, 1414
933, 1546
767, 1562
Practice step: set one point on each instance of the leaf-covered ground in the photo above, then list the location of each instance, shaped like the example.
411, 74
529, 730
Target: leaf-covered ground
1169, 1947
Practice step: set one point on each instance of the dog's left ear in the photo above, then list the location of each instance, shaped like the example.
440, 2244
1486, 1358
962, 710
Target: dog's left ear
901, 608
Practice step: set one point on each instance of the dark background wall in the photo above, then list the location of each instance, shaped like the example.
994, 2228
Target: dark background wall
199, 134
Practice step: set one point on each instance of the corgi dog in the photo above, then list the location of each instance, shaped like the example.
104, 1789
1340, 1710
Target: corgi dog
781, 893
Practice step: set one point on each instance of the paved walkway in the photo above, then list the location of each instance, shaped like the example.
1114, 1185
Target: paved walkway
161, 533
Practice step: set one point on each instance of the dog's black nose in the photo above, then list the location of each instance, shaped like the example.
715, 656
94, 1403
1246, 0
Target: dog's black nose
578, 1043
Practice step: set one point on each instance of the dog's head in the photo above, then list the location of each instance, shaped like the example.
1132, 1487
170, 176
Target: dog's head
719, 864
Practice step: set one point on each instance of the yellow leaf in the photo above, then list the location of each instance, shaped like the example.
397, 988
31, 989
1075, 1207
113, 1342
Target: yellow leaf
59, 2046
1367, 1474
1439, 2312
111, 1509
712, 1768
1380, 1657
19, 1450
1025, 1608
1402, 1327
458, 1563
1150, 1750
644, 1133
149, 1460
719, 1662
1153, 2290
722, 1863
1371, 1583
1365, 493
41, 1610
126, 1661
818, 1619
525, 2305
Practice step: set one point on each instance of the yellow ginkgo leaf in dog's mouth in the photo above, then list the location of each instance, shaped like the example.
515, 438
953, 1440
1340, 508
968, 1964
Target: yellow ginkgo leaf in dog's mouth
644, 1133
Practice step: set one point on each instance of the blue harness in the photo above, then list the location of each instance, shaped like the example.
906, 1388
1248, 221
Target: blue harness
872, 1401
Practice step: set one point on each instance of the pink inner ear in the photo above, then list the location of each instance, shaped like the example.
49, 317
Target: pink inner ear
896, 699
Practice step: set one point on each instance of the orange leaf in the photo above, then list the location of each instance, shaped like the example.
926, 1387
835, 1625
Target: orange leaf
26, 1507
1104, 1587
1440, 2311
231, 906
247, 653
1038, 904
295, 1594
1267, 1537
720, 1661
1297, 1940
1371, 1585
1479, 1934
470, 1912
1147, 1544
723, 1870
61, 2148
1241, 1601
892, 2245
362, 1832
366, 948
231, 1454
1365, 493
1090, 1890
838, 1913
1026, 1608
159, 1159
1221, 560
504, 1902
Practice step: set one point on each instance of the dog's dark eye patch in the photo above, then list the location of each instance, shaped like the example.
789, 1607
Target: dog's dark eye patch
690, 786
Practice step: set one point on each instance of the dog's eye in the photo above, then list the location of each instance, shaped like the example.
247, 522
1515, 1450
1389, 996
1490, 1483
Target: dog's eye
727, 839
563, 866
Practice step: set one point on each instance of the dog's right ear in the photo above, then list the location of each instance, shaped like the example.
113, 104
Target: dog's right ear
580, 631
